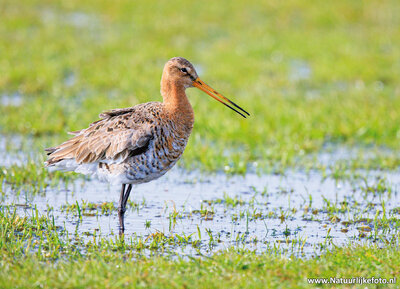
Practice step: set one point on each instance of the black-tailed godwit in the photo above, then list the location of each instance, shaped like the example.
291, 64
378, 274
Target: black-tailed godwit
141, 143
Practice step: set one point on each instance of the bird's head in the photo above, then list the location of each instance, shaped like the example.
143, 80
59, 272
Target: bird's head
181, 72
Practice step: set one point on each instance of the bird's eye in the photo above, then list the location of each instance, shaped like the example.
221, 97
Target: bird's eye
184, 70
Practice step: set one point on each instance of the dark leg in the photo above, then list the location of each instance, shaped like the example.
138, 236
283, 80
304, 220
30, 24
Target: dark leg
121, 211
123, 199
126, 196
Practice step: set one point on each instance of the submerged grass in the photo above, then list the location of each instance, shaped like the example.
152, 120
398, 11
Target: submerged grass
38, 254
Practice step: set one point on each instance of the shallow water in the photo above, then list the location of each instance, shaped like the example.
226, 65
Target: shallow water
299, 70
290, 214
298, 213
15, 99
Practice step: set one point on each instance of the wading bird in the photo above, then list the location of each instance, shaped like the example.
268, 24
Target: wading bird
141, 143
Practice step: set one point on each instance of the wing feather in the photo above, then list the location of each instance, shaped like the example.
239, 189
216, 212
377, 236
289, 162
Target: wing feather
116, 136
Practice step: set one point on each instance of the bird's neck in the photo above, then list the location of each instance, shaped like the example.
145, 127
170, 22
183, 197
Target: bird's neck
176, 102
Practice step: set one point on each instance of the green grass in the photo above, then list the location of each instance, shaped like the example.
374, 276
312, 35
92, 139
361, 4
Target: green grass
314, 75
232, 269
249, 51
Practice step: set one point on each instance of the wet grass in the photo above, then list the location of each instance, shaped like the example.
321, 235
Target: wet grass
321, 83
253, 225
53, 259
261, 234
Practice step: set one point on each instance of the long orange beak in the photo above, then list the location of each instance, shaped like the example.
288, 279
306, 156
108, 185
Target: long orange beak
222, 99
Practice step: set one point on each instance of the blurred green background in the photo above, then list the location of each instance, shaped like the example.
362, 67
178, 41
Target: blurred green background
309, 72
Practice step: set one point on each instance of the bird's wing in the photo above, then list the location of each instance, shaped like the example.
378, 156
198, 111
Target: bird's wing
111, 139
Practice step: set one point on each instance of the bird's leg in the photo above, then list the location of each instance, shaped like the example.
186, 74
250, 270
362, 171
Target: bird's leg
122, 206
126, 196
121, 210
